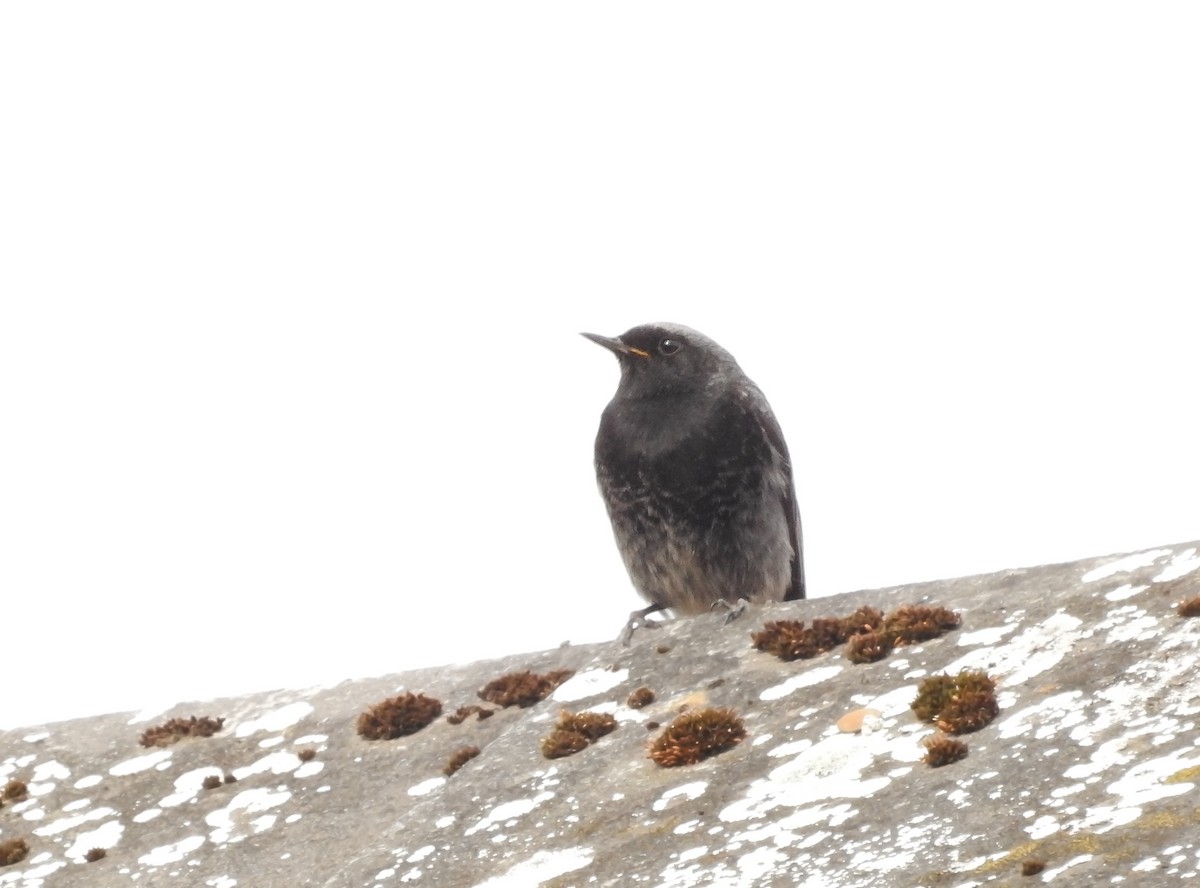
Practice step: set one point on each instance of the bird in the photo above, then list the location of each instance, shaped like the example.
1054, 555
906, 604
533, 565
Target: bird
696, 477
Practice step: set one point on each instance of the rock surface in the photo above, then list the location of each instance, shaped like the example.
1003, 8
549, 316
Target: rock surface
1090, 769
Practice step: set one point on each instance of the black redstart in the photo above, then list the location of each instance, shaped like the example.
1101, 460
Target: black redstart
696, 476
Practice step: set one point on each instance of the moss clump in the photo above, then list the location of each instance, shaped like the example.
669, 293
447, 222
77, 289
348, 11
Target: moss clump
959, 704
575, 732
306, 753
212, 781
176, 729
869, 647
523, 688
95, 854
914, 623
697, 735
398, 716
461, 714
787, 640
460, 758
870, 634
640, 698
1189, 608
932, 695
12, 851
942, 750
14, 791
865, 619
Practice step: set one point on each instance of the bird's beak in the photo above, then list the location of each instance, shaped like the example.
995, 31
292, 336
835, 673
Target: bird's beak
615, 345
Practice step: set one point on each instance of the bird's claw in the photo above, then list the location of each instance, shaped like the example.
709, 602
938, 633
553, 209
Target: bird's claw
637, 620
732, 611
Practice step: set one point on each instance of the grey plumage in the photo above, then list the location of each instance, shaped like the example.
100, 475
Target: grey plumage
696, 476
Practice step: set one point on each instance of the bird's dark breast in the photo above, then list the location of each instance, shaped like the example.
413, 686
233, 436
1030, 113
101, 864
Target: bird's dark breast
695, 502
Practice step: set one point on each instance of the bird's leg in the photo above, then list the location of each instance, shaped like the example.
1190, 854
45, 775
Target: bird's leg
732, 611
637, 620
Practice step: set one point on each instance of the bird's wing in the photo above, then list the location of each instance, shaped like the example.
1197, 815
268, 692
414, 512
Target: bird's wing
770, 427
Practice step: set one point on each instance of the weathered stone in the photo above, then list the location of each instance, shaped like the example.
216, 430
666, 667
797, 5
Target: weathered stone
1090, 766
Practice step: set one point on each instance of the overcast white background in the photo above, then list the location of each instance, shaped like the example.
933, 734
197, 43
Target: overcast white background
291, 389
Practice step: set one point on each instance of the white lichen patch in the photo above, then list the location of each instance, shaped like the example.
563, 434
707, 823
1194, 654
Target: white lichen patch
588, 684
990, 635
68, 823
1035, 650
276, 763
894, 703
1181, 565
278, 720
309, 769
106, 836
88, 782
51, 770
830, 769
1045, 718
686, 792
805, 679
188, 786
1123, 565
1123, 592
172, 853
141, 763
427, 786
508, 812
235, 821
540, 868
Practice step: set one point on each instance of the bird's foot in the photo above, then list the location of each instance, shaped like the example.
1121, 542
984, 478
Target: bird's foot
732, 611
637, 620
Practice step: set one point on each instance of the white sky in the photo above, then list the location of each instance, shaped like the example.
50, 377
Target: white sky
290, 385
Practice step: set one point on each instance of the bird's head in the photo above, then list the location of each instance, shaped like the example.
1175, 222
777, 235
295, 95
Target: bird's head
661, 360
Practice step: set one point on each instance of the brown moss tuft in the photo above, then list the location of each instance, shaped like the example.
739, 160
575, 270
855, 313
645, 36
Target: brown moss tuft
865, 619
640, 698
913, 623
95, 854
943, 750
460, 758
932, 695
786, 639
12, 851
869, 647
968, 711
959, 704
592, 725
176, 729
212, 781
827, 632
697, 735
14, 791
523, 688
229, 778
306, 753
560, 744
1032, 867
576, 731
463, 713
1189, 608
398, 716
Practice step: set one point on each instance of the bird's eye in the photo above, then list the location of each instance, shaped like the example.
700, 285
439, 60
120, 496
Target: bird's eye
669, 346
